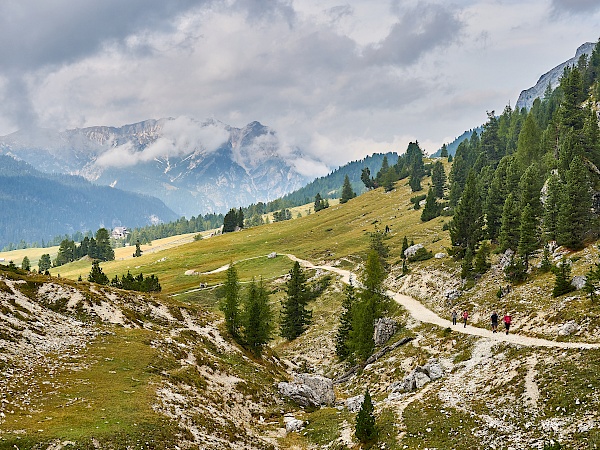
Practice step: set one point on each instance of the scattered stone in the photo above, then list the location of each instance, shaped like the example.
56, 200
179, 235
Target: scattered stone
309, 390
272, 255
568, 328
384, 330
440, 255
292, 424
506, 258
410, 251
452, 294
354, 403
433, 369
190, 272
419, 377
578, 282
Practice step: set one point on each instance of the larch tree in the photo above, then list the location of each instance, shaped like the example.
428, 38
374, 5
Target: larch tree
230, 304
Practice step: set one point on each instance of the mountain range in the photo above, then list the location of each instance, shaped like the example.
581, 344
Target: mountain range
37, 206
193, 166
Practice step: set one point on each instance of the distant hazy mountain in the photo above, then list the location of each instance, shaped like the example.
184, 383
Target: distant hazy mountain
551, 78
194, 167
37, 206
452, 146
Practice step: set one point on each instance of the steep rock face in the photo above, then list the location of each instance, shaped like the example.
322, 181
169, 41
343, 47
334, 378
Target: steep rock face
193, 166
527, 97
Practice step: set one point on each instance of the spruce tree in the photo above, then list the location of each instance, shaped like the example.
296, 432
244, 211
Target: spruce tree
377, 243
104, 251
230, 221
257, 318
96, 275
562, 280
481, 263
295, 318
551, 207
431, 209
240, 218
592, 282
438, 179
574, 219
528, 235
230, 304
342, 337
365, 430
511, 221
44, 263
318, 205
367, 180
444, 151
26, 264
466, 268
466, 227
496, 197
382, 171
347, 192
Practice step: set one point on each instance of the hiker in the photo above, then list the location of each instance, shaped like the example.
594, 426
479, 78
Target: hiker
454, 316
507, 321
465, 316
494, 322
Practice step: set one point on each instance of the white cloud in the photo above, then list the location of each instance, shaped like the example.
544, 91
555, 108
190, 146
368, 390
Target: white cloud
180, 137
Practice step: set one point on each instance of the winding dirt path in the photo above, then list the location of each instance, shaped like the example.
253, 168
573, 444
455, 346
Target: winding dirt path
421, 313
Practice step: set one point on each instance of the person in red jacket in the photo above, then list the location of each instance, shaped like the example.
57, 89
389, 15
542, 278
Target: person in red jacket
507, 320
465, 316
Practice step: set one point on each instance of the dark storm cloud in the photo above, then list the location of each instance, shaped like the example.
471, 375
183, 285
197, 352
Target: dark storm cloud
418, 31
38, 33
575, 6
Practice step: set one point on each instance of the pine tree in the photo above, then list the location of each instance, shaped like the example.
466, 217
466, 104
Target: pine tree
404, 246
382, 171
342, 337
551, 207
230, 221
347, 192
545, 263
496, 197
230, 305
574, 219
26, 264
444, 151
466, 227
367, 180
318, 205
562, 280
96, 275
104, 251
295, 318
138, 250
528, 235
466, 268
592, 282
377, 243
438, 179
365, 430
44, 263
511, 221
240, 218
257, 318
529, 149
481, 263
431, 209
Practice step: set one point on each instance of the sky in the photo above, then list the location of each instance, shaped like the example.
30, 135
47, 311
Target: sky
337, 79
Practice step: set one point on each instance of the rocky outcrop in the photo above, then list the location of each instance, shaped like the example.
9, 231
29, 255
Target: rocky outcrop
578, 282
412, 250
292, 424
384, 330
309, 390
568, 328
353, 404
419, 377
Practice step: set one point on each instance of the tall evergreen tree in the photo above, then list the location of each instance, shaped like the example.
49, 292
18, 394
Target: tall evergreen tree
511, 221
347, 192
367, 180
295, 317
530, 187
138, 250
230, 304
529, 147
528, 235
103, 248
574, 219
365, 429
230, 221
562, 280
342, 337
383, 171
491, 145
444, 151
592, 282
496, 197
466, 227
257, 318
431, 209
26, 264
319, 204
438, 179
551, 207
240, 218
44, 263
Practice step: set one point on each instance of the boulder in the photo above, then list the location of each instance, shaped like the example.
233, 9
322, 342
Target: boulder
354, 403
410, 251
439, 255
292, 424
578, 282
384, 330
506, 258
452, 294
568, 328
433, 369
309, 390
272, 255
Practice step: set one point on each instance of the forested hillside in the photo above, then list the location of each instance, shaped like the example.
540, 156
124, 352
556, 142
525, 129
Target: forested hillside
554, 148
37, 207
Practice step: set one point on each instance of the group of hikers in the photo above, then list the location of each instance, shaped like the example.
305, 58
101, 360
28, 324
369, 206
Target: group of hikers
494, 318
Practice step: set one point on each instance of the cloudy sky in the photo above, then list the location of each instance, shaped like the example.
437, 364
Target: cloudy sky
339, 79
